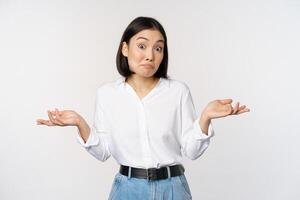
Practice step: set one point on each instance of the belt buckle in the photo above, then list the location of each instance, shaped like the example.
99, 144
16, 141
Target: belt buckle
151, 175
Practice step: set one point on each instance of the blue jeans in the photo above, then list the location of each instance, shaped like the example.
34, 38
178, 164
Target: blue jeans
125, 188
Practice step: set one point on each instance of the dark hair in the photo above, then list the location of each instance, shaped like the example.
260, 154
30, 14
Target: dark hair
137, 25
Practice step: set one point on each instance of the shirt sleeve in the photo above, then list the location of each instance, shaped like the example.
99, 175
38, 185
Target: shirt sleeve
193, 141
97, 143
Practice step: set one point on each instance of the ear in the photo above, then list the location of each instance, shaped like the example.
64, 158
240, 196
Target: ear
125, 49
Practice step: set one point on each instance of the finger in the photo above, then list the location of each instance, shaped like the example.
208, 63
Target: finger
59, 112
52, 119
45, 122
49, 123
243, 111
242, 107
236, 108
54, 112
39, 121
229, 109
58, 120
226, 101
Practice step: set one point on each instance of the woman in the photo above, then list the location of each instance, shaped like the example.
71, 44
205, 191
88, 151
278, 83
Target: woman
146, 120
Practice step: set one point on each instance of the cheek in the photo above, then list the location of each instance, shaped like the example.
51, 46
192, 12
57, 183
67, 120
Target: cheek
136, 55
135, 58
159, 58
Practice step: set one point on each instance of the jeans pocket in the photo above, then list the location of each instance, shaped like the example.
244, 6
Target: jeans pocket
115, 186
185, 185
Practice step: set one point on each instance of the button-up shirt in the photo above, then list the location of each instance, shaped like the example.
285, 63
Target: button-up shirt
151, 132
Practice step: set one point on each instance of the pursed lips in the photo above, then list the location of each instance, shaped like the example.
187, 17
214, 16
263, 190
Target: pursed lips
147, 65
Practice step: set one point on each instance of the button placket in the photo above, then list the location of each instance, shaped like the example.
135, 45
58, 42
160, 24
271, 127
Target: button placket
147, 152
142, 116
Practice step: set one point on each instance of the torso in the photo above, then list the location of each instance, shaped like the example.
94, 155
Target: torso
142, 94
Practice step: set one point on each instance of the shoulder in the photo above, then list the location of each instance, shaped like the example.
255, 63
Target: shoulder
179, 85
106, 88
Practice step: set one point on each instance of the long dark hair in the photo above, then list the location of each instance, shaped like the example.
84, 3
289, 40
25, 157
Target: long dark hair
137, 25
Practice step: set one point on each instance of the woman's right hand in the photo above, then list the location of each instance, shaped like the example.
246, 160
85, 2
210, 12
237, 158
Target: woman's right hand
61, 118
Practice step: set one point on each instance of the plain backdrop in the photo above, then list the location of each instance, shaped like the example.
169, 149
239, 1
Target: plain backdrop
55, 54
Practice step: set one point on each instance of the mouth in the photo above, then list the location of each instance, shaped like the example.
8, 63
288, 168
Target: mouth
147, 66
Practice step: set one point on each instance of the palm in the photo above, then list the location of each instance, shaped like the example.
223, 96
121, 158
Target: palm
222, 108
60, 118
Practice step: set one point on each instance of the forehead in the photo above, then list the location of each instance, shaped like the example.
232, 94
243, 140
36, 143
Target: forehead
150, 34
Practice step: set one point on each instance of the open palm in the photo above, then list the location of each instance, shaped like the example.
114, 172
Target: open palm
222, 108
60, 118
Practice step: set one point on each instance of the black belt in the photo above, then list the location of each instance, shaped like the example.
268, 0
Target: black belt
153, 173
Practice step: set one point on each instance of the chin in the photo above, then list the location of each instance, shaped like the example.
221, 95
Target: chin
145, 75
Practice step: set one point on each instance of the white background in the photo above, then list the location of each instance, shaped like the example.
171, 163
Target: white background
57, 53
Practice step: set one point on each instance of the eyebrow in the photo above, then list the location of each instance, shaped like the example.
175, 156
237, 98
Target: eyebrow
148, 39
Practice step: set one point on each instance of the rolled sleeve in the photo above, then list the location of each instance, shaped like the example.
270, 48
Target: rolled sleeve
193, 142
199, 135
92, 140
98, 141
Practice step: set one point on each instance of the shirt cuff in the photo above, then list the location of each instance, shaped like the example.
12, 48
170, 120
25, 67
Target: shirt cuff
199, 135
91, 141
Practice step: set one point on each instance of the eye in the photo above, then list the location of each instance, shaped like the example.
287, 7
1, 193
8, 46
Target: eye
141, 46
159, 49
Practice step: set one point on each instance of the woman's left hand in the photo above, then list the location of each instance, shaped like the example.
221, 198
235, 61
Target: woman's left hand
222, 108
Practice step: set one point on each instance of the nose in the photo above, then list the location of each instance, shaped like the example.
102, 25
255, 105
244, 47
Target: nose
149, 56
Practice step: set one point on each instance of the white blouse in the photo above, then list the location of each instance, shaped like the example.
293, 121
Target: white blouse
151, 132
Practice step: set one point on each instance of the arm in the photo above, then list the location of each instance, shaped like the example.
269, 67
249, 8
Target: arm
204, 123
95, 139
196, 131
83, 129
196, 136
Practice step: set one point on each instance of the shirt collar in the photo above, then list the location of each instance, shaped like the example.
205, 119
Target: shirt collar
120, 82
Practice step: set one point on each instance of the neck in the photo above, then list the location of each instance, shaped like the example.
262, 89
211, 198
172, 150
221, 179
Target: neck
142, 83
